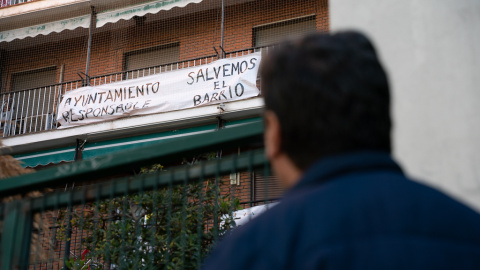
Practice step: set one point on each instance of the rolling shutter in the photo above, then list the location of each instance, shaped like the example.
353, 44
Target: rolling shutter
34, 79
266, 187
274, 33
152, 57
35, 106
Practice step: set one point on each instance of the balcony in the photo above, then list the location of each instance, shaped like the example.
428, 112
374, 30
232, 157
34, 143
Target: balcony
35, 110
6, 3
183, 37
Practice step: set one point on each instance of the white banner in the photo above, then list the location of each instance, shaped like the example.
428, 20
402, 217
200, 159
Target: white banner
221, 81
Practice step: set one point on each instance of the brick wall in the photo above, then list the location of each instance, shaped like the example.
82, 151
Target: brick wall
196, 34
241, 191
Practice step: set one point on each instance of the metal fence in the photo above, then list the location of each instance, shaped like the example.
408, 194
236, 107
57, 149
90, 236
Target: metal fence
35, 110
161, 218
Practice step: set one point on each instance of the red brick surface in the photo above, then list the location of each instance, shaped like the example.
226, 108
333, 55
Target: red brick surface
196, 33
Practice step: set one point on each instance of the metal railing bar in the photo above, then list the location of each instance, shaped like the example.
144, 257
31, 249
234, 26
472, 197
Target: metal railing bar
5, 122
43, 108
124, 223
16, 113
8, 108
35, 259
183, 225
25, 248
38, 107
138, 226
110, 219
201, 179
58, 98
21, 116
169, 212
215, 213
48, 108
28, 106
154, 221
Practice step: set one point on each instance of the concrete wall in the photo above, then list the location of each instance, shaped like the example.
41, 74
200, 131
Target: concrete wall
431, 51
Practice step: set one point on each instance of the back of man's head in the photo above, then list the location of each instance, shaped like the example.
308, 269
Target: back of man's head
330, 94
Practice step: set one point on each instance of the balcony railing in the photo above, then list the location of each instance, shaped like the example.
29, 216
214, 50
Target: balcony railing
35, 110
6, 3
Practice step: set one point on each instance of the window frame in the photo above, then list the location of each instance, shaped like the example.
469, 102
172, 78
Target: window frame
149, 49
31, 71
275, 24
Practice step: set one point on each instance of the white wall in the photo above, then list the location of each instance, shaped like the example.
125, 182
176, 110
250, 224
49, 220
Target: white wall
431, 50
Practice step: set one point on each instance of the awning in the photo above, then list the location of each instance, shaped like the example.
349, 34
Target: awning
92, 150
153, 7
100, 148
107, 147
53, 156
110, 16
45, 28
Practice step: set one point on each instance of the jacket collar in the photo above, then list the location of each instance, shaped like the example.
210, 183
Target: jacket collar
334, 166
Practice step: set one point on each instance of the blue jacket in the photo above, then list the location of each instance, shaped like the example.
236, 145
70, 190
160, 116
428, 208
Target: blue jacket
356, 211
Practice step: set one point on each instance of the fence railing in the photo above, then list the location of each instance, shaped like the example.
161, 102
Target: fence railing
168, 219
35, 110
6, 3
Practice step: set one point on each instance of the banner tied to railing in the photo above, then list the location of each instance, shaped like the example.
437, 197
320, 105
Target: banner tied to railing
221, 81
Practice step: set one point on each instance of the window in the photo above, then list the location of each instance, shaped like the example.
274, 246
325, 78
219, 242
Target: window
34, 79
151, 57
272, 33
33, 109
265, 188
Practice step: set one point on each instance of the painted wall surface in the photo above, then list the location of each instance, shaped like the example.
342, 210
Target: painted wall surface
431, 51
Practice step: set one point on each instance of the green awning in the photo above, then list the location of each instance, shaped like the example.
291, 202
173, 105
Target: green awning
91, 150
107, 147
46, 157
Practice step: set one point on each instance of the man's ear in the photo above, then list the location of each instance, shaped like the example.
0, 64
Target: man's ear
272, 135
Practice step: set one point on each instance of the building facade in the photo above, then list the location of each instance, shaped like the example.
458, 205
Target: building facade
49, 49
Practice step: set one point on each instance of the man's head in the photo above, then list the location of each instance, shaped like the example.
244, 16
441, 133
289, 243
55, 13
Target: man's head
325, 94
